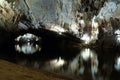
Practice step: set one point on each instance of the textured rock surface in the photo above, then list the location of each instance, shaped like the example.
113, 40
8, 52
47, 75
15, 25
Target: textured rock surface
78, 17
54, 11
6, 13
110, 9
64, 11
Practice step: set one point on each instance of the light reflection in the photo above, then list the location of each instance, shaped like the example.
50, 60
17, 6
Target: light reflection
117, 64
85, 61
27, 48
27, 43
86, 54
57, 29
55, 64
118, 38
84, 64
86, 38
117, 32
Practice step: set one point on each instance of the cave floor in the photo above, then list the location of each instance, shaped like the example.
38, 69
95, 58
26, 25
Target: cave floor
10, 71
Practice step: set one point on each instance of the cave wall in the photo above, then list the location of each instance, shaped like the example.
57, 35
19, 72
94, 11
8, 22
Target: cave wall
6, 13
60, 12
63, 11
54, 11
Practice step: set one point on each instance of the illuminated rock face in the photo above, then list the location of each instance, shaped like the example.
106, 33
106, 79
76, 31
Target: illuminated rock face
6, 14
49, 11
63, 11
79, 17
28, 37
53, 11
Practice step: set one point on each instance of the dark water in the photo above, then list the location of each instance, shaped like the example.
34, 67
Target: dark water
67, 58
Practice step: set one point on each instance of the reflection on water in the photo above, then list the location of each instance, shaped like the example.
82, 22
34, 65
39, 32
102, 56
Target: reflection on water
87, 63
89, 55
117, 63
55, 64
117, 32
69, 60
27, 43
27, 48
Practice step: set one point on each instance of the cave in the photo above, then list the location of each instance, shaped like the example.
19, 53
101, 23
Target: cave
60, 39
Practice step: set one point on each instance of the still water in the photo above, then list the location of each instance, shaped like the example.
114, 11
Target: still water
65, 58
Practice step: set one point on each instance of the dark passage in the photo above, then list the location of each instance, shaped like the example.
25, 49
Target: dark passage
63, 55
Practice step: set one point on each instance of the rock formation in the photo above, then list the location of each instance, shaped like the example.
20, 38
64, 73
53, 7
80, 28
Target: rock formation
78, 17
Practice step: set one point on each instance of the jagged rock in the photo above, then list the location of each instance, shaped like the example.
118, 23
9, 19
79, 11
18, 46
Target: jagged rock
67, 15
53, 11
8, 16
